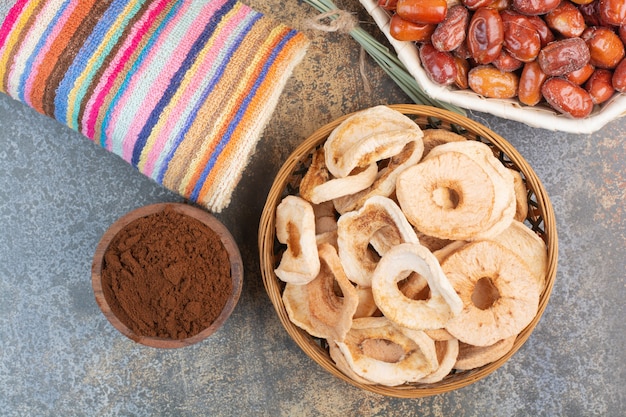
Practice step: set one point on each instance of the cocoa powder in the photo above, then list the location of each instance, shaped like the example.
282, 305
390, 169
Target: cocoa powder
166, 275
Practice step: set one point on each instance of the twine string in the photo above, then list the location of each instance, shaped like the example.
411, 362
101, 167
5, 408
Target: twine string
335, 20
340, 21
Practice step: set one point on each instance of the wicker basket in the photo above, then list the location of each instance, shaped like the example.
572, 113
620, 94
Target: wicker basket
540, 219
540, 116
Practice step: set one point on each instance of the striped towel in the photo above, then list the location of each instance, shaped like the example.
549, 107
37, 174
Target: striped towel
179, 89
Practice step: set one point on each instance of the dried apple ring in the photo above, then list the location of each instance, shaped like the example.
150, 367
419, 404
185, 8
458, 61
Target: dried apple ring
504, 204
529, 246
379, 351
342, 364
436, 137
316, 307
433, 313
447, 353
295, 227
470, 357
318, 186
500, 295
448, 196
385, 183
380, 217
366, 137
521, 196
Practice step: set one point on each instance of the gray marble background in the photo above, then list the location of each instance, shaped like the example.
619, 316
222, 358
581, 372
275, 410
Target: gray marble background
60, 357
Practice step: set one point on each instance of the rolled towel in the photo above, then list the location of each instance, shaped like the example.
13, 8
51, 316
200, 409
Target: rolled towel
182, 90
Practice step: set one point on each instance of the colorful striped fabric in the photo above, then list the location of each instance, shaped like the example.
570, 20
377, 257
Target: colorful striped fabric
179, 89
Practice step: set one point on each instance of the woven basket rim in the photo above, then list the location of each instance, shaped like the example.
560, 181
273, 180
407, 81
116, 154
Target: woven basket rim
266, 240
539, 116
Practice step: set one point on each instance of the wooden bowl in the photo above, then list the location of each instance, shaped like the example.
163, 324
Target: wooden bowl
228, 242
540, 218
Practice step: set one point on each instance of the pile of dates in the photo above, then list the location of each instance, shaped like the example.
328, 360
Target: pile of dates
568, 54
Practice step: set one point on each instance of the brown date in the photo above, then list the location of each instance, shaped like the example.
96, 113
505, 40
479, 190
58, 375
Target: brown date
591, 14
388, 4
462, 68
566, 19
567, 97
535, 7
561, 57
450, 33
485, 35
439, 66
506, 62
582, 1
605, 47
405, 30
521, 39
613, 12
600, 86
581, 75
619, 77
422, 11
530, 82
488, 81
475, 4
499, 4
622, 33
545, 33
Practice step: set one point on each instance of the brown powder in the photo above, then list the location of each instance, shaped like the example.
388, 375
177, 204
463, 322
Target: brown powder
166, 275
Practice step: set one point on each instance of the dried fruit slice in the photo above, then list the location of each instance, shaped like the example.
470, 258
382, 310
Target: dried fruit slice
531, 248
436, 137
504, 204
447, 353
379, 218
448, 196
385, 183
316, 307
379, 351
318, 186
500, 295
366, 137
521, 196
295, 227
431, 313
470, 357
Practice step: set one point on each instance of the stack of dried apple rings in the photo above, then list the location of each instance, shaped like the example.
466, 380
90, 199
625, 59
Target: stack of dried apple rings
432, 272
568, 54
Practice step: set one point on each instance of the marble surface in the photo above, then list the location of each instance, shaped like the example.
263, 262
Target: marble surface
59, 193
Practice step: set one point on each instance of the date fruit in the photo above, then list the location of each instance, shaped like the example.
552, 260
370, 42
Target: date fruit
581, 75
521, 39
530, 82
567, 97
488, 81
561, 57
545, 33
439, 66
388, 4
612, 12
462, 68
422, 11
485, 35
619, 77
535, 7
450, 33
566, 19
405, 30
605, 47
506, 62
599, 86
